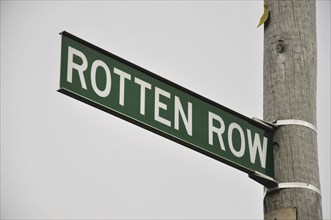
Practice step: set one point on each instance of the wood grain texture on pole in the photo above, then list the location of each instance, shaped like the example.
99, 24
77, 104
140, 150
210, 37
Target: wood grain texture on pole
289, 92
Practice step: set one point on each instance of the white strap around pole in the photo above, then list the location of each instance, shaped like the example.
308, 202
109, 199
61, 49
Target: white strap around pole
296, 122
297, 185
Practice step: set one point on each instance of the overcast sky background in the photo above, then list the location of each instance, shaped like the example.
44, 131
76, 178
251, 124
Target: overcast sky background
61, 158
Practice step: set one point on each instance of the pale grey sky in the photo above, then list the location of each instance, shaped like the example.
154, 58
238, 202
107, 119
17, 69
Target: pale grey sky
61, 158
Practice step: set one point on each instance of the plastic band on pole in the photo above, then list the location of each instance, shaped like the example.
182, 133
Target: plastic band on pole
297, 185
296, 122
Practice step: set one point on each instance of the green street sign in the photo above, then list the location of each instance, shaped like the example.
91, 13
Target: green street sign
114, 85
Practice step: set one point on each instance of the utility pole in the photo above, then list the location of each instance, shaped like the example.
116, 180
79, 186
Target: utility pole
289, 97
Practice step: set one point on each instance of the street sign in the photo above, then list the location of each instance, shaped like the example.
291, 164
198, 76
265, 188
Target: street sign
114, 85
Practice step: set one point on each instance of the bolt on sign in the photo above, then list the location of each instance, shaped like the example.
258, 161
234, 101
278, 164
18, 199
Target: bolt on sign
114, 85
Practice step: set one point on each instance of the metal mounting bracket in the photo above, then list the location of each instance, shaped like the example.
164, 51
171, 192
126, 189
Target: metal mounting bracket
271, 126
263, 179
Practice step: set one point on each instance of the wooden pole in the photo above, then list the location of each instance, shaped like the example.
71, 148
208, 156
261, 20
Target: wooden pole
290, 71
